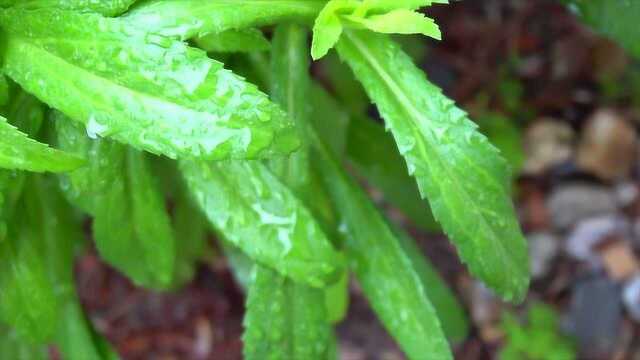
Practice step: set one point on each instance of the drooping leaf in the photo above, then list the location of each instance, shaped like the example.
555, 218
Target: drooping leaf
282, 319
188, 18
257, 213
462, 175
384, 271
374, 154
19, 152
245, 40
145, 90
77, 340
104, 7
131, 227
616, 19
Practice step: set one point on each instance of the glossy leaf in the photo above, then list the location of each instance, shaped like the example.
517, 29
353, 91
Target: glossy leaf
19, 152
463, 176
384, 271
282, 319
374, 155
145, 90
188, 18
257, 213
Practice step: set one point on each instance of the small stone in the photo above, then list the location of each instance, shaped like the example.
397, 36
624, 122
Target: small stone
595, 316
543, 247
608, 146
631, 297
571, 202
486, 310
588, 234
626, 194
619, 260
547, 142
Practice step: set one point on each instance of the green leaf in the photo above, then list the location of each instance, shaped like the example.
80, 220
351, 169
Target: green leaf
15, 348
190, 232
396, 17
450, 312
19, 152
383, 269
337, 299
244, 40
145, 90
616, 19
188, 18
330, 120
131, 227
104, 7
37, 260
77, 340
284, 320
257, 213
374, 154
326, 33
399, 21
463, 176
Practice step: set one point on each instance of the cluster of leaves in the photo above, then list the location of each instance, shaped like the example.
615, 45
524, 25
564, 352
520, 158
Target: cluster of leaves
141, 118
539, 339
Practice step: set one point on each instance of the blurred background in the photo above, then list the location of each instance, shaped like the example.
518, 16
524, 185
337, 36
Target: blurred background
563, 104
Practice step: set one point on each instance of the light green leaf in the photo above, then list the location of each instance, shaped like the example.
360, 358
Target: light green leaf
616, 19
244, 40
326, 33
463, 176
399, 21
145, 90
104, 7
396, 17
337, 299
188, 18
383, 269
374, 155
284, 320
257, 213
19, 152
384, 6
